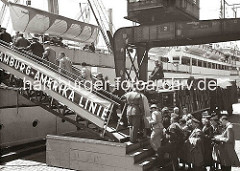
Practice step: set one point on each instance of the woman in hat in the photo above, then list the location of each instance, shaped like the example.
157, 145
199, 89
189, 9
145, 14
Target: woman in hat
157, 127
166, 117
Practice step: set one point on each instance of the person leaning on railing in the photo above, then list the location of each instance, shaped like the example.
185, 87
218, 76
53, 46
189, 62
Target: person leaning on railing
35, 47
5, 36
50, 55
20, 42
65, 64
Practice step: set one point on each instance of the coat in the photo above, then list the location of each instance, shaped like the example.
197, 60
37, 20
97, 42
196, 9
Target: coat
36, 48
157, 73
147, 113
196, 148
208, 147
21, 42
226, 152
65, 65
157, 130
6, 37
50, 55
86, 73
135, 103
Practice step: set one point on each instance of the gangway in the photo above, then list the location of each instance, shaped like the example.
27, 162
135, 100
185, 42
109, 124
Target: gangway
61, 93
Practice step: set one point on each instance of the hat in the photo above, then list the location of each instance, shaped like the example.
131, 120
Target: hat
224, 117
153, 106
165, 109
214, 117
206, 115
99, 75
175, 108
195, 120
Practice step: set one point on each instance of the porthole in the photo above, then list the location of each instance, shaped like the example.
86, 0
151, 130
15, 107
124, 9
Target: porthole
1, 126
35, 123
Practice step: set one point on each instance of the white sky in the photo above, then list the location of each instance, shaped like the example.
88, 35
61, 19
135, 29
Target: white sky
209, 9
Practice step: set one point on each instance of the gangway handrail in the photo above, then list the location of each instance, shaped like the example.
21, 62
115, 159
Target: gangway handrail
93, 77
46, 63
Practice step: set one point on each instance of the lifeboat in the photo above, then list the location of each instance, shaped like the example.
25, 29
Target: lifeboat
32, 20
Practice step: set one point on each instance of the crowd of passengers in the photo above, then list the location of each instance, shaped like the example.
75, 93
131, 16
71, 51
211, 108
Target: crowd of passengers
33, 46
189, 143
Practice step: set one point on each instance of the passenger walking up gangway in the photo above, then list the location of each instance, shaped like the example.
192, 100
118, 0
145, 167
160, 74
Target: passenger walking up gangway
61, 93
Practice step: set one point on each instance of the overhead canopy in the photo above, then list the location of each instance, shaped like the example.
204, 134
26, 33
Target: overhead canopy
28, 19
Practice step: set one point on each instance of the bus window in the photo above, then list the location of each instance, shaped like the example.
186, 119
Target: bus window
185, 60
209, 65
200, 63
176, 59
194, 62
213, 66
164, 59
205, 64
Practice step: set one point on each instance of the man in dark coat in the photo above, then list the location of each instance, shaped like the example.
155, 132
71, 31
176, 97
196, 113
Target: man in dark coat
50, 55
36, 47
217, 130
21, 42
227, 154
196, 147
5, 36
157, 73
207, 131
174, 135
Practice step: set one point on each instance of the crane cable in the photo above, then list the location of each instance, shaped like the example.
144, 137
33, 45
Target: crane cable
100, 26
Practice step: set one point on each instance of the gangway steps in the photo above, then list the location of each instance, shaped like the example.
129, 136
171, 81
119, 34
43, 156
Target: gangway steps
93, 106
60, 110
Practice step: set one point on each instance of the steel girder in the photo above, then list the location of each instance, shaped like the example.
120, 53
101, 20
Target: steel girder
169, 34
